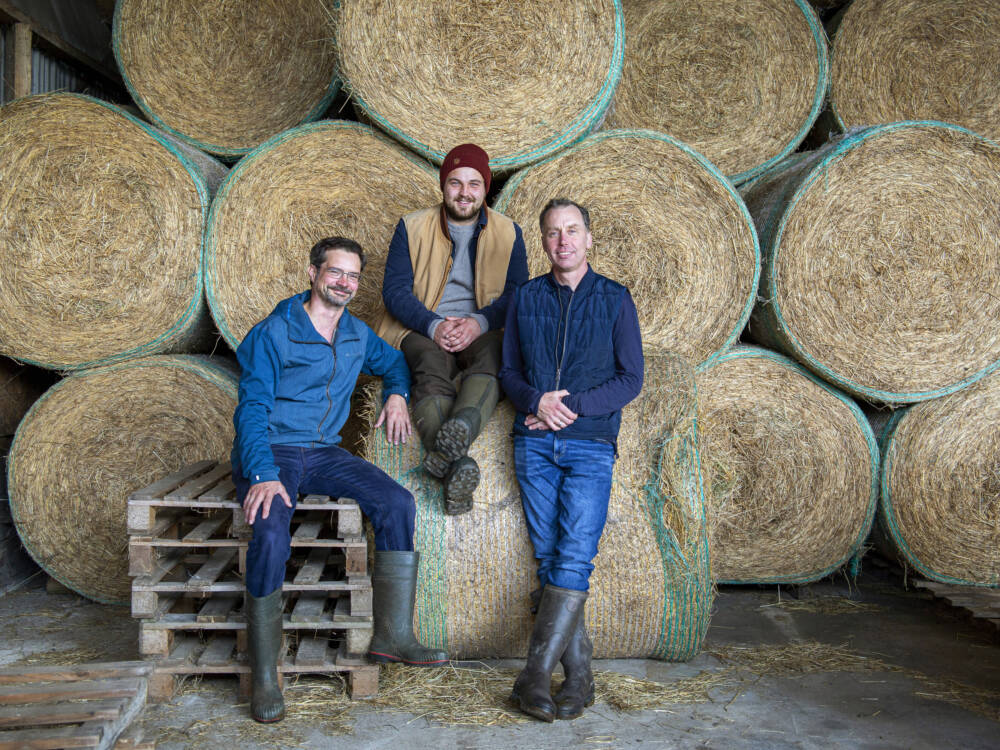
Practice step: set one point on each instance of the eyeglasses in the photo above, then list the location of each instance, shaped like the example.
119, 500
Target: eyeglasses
338, 273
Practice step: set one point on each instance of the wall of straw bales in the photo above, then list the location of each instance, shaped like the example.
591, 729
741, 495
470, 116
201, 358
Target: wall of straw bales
101, 222
881, 261
790, 468
666, 224
238, 73
314, 181
433, 75
896, 60
740, 82
95, 437
651, 589
940, 485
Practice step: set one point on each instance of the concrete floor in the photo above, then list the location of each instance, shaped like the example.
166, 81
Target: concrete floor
935, 681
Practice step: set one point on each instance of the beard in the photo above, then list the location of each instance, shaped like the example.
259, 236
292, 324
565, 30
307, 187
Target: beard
330, 298
455, 213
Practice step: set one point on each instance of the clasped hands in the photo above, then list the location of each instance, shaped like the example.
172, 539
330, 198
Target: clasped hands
455, 334
552, 413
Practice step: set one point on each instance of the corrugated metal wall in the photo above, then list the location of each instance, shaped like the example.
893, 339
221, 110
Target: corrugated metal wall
51, 74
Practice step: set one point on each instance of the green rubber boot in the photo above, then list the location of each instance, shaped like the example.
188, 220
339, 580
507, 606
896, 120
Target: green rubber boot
429, 414
577, 690
264, 645
394, 591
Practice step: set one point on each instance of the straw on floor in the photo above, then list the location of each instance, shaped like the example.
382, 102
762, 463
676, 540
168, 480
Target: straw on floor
101, 221
940, 491
95, 437
740, 82
665, 223
914, 60
522, 78
651, 591
790, 470
226, 76
882, 261
317, 180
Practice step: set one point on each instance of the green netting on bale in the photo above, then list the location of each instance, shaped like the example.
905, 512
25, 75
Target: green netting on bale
651, 591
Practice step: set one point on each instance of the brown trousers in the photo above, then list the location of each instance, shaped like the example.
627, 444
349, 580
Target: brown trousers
434, 371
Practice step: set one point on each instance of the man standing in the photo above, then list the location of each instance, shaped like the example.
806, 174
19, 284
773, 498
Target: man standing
299, 368
572, 358
449, 275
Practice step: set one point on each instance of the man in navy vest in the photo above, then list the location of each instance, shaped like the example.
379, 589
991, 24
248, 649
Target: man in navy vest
299, 367
572, 358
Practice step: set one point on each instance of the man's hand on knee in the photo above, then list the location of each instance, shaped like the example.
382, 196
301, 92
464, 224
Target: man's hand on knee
396, 417
259, 498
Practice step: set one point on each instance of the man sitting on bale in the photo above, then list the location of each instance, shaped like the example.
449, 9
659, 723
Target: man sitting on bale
299, 368
449, 275
572, 358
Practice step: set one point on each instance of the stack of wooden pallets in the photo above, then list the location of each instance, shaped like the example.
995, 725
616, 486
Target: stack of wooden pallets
187, 555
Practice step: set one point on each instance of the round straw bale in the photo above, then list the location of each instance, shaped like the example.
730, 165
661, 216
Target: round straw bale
20, 387
882, 261
522, 78
898, 60
790, 468
940, 502
318, 180
651, 592
99, 435
665, 223
740, 82
226, 76
101, 222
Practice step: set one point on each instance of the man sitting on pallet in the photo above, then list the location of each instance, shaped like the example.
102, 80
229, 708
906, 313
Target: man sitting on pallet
299, 368
450, 272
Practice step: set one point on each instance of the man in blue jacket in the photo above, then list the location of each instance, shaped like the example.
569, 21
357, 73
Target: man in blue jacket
572, 358
299, 368
449, 275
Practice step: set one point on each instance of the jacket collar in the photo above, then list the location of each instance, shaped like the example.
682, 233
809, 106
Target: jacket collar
588, 280
443, 217
301, 329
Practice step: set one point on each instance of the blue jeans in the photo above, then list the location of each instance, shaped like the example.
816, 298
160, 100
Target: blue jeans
565, 489
329, 470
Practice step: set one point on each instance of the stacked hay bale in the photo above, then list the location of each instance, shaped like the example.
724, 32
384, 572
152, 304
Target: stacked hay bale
94, 438
226, 76
522, 78
790, 468
898, 60
101, 222
740, 82
314, 181
665, 223
651, 590
940, 497
882, 260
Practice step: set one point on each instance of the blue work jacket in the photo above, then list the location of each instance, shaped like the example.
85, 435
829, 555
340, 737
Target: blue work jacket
295, 386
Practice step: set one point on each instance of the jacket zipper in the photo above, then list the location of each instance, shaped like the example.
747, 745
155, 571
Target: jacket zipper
329, 401
562, 358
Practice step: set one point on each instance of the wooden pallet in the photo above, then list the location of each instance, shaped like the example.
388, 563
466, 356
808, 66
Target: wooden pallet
980, 603
89, 706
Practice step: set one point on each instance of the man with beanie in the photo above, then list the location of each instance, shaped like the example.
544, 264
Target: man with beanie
449, 276
572, 358
299, 367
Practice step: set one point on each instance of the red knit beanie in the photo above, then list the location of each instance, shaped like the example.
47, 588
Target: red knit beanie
467, 155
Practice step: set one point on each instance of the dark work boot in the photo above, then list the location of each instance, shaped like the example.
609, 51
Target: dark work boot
577, 690
429, 414
263, 617
459, 486
477, 398
558, 613
394, 591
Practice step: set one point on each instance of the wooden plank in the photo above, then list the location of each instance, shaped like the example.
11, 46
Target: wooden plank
308, 608
217, 609
162, 567
219, 652
47, 714
363, 682
157, 490
64, 691
343, 618
155, 642
184, 651
313, 569
356, 560
356, 643
22, 60
195, 486
53, 738
361, 601
223, 491
209, 573
308, 531
312, 652
205, 529
349, 519
96, 670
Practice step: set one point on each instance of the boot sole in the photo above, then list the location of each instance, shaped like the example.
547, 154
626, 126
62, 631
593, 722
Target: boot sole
269, 721
390, 659
459, 490
436, 465
531, 710
453, 439
563, 716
